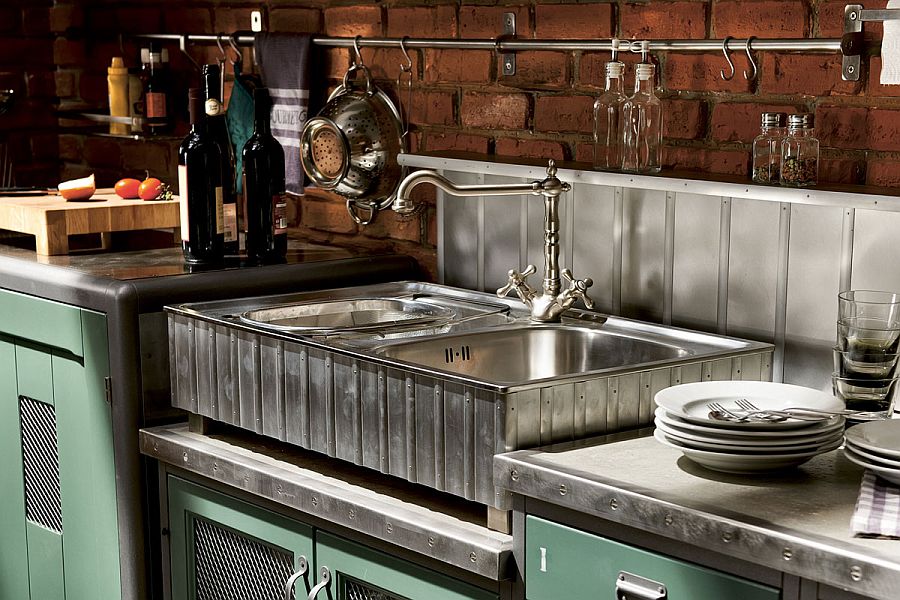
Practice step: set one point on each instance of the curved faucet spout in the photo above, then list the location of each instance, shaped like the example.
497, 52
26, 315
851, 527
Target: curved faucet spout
403, 203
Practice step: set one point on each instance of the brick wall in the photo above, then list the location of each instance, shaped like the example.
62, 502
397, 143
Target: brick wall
462, 102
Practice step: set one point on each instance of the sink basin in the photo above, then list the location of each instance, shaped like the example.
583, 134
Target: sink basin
520, 355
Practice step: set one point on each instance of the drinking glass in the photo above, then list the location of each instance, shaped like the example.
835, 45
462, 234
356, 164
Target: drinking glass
859, 364
874, 397
870, 304
867, 336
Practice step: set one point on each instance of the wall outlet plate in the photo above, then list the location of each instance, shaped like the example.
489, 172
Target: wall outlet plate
256, 21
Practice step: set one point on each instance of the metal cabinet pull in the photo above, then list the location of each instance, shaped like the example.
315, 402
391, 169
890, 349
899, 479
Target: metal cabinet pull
634, 587
303, 572
325, 584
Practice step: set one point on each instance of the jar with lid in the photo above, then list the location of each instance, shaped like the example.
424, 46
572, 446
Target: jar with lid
800, 152
767, 148
642, 124
608, 116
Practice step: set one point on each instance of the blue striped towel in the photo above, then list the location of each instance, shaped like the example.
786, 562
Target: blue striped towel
877, 512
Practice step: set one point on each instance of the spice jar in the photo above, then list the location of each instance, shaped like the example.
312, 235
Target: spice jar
767, 148
800, 152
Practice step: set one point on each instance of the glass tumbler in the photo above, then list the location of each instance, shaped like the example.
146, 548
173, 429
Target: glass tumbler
870, 304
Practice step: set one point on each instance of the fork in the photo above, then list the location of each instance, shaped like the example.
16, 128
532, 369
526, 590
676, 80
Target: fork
788, 412
729, 416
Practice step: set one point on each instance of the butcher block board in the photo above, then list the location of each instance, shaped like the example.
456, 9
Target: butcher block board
51, 219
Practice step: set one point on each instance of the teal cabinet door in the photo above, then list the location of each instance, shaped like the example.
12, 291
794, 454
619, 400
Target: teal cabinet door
561, 562
221, 547
360, 573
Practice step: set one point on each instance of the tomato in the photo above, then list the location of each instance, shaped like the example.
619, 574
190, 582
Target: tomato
150, 189
127, 188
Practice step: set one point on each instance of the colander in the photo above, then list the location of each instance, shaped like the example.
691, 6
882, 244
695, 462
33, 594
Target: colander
351, 146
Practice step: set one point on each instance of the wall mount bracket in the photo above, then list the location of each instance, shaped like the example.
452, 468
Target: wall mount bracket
853, 42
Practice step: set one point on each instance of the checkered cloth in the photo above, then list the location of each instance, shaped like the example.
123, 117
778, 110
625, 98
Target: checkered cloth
877, 512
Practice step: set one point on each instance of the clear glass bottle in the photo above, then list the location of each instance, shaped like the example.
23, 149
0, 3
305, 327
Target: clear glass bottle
800, 152
608, 117
642, 124
767, 148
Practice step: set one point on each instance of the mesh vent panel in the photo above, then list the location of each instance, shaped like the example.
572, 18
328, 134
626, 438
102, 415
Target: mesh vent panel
233, 567
356, 590
40, 458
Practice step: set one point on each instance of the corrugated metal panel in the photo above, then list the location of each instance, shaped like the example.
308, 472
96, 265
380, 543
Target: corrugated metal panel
643, 254
696, 269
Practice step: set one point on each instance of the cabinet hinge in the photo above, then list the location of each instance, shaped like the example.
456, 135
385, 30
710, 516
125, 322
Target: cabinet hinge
107, 385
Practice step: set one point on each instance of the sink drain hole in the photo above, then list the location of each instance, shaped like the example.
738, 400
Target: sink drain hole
452, 355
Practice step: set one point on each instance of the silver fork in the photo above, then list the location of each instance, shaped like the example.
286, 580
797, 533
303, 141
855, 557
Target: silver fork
780, 415
727, 415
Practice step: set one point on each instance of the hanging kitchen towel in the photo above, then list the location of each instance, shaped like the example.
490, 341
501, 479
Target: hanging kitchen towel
877, 512
240, 122
890, 49
284, 64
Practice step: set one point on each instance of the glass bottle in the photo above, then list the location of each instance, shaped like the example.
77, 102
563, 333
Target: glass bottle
608, 116
642, 124
200, 189
157, 91
800, 152
263, 187
218, 129
767, 148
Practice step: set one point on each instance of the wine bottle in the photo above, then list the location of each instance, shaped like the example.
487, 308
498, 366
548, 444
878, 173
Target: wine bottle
200, 189
264, 189
218, 130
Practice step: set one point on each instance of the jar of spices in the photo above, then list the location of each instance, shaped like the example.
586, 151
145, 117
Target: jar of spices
767, 148
800, 152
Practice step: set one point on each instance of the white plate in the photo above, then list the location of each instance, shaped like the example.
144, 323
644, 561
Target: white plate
773, 446
743, 463
873, 458
689, 401
881, 437
892, 475
814, 428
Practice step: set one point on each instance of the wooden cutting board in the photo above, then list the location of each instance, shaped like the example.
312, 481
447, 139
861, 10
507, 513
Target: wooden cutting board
51, 219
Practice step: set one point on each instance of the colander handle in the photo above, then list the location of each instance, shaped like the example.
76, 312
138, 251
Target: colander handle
370, 87
352, 208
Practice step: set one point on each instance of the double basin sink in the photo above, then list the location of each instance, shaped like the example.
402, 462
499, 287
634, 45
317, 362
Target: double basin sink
428, 382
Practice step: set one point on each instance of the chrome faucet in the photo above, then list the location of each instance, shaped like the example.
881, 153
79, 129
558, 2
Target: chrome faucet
549, 305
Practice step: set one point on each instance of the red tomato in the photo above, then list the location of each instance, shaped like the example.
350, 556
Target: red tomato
150, 189
127, 188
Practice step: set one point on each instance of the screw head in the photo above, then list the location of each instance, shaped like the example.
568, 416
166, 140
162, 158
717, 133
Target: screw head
389, 528
787, 554
851, 69
514, 475
473, 557
856, 573
431, 541
669, 520
853, 16
614, 504
563, 490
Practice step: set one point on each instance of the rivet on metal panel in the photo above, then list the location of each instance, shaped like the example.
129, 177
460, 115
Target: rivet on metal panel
473, 557
514, 475
315, 501
389, 528
787, 554
215, 467
563, 490
856, 573
351, 514
184, 456
431, 541
614, 504
727, 537
668, 520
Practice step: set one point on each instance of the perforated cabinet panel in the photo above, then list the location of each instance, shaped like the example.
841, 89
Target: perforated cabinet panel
40, 458
356, 590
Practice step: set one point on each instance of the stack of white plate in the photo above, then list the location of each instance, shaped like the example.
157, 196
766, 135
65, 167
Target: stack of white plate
876, 446
683, 421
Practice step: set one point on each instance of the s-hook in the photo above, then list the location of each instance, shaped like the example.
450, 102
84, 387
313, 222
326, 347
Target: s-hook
358, 60
728, 58
407, 71
182, 45
220, 60
755, 71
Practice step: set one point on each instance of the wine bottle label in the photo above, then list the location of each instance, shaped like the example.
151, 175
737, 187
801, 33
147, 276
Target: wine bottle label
220, 216
183, 201
155, 105
279, 213
212, 107
229, 212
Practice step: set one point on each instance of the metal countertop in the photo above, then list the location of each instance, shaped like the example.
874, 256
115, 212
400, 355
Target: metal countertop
797, 522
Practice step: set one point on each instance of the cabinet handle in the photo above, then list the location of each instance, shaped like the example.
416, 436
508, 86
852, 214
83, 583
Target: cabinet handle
324, 583
634, 587
303, 572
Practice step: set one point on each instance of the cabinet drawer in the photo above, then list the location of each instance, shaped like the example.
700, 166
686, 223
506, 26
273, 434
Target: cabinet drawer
565, 562
42, 321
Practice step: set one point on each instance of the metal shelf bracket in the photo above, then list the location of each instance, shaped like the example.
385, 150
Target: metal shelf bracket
852, 42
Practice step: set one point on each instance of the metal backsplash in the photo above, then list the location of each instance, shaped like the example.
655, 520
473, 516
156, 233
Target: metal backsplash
763, 263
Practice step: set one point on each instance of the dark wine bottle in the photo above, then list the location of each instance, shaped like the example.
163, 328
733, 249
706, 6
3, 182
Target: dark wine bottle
264, 190
200, 190
218, 130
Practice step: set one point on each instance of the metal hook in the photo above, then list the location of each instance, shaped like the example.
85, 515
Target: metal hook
237, 50
728, 58
747, 48
407, 71
407, 68
182, 45
219, 45
359, 59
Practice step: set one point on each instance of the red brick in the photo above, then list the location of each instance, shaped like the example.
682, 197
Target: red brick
420, 21
385, 63
305, 20
487, 21
767, 18
655, 20
326, 216
70, 147
730, 162
592, 70
44, 146
65, 84
460, 142
884, 129
874, 88
458, 66
349, 21
227, 20
831, 17
65, 16
540, 68
336, 61
393, 226
701, 72
842, 170
740, 121
684, 119
93, 88
564, 113
41, 84
494, 111
584, 152
187, 20
884, 173
159, 158
35, 21
68, 53
530, 148
842, 126
20, 52
804, 74
431, 108
573, 21
9, 20
102, 152
431, 237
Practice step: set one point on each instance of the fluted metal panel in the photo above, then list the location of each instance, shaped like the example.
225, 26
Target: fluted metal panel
696, 269
319, 376
205, 371
461, 234
501, 235
271, 356
296, 394
347, 417
40, 462
626, 401
643, 254
592, 240
486, 409
373, 417
454, 427
596, 401
249, 387
528, 422
875, 243
424, 390
399, 463
227, 371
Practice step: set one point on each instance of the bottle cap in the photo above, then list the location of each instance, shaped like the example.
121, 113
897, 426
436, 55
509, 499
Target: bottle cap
645, 71
773, 119
117, 66
801, 121
145, 55
615, 69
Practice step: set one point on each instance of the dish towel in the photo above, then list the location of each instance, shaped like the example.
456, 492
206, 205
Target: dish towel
890, 49
877, 512
284, 65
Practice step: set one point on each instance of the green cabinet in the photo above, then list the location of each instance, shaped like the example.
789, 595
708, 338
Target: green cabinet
57, 477
565, 562
219, 543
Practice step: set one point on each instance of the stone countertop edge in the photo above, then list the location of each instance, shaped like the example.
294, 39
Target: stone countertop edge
438, 535
803, 530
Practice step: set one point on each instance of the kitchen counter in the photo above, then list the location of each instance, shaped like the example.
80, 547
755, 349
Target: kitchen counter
797, 522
